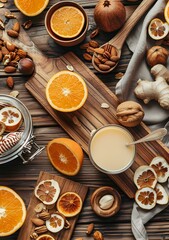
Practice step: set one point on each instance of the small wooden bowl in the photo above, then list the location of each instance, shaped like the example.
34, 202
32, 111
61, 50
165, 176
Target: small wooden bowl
63, 41
98, 194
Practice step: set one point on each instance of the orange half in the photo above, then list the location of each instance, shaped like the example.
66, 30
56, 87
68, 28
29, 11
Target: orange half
12, 211
31, 7
166, 12
67, 22
66, 91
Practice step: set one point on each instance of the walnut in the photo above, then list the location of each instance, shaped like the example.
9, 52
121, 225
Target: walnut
98, 235
129, 113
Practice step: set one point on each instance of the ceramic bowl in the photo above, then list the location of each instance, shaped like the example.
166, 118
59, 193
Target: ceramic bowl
62, 41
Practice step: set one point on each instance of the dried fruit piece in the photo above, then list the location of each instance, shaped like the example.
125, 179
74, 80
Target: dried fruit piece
45, 237
55, 223
157, 29
12, 118
47, 191
69, 204
10, 82
161, 167
145, 176
146, 198
162, 196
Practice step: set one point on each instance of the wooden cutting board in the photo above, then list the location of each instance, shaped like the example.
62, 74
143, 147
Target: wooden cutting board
65, 186
79, 124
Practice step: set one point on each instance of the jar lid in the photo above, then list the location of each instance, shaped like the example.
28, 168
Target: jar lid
26, 128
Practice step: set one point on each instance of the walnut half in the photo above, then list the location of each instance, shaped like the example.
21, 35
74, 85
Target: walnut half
129, 113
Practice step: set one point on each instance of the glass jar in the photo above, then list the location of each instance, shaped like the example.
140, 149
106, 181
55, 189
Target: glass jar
26, 148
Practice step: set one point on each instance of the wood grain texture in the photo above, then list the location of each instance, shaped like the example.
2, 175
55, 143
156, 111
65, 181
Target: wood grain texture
79, 124
65, 186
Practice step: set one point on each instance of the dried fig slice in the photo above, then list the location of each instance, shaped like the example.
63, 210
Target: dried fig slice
162, 196
161, 167
145, 176
55, 223
47, 191
146, 198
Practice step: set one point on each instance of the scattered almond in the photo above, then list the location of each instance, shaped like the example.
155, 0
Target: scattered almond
119, 75
104, 67
84, 46
94, 44
87, 57
10, 46
12, 33
37, 221
16, 27
105, 105
10, 69
90, 228
10, 82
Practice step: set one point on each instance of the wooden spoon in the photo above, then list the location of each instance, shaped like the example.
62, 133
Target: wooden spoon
121, 36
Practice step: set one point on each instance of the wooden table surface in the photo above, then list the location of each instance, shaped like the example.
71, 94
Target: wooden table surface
22, 178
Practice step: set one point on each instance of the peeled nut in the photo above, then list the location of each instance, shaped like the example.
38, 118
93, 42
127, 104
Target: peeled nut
106, 201
129, 113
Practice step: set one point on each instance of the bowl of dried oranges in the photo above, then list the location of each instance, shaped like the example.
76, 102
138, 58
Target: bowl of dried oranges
67, 23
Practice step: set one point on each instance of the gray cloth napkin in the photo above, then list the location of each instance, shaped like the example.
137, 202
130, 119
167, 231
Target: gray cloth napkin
138, 42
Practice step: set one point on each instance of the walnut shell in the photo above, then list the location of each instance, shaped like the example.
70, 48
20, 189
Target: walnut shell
129, 113
157, 55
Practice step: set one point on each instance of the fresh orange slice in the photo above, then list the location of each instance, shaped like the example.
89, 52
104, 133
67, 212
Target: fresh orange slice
12, 211
31, 7
166, 12
67, 22
45, 237
65, 155
11, 117
157, 29
69, 204
66, 91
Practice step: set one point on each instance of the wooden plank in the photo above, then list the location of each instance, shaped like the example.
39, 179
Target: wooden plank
66, 185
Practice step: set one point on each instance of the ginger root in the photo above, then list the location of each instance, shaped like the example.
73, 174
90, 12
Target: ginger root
157, 90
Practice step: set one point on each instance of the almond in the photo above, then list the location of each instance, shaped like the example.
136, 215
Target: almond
37, 221
10, 69
113, 51
94, 44
110, 63
97, 61
1, 55
114, 58
87, 57
4, 50
90, 228
10, 46
90, 50
12, 33
104, 67
10, 82
16, 27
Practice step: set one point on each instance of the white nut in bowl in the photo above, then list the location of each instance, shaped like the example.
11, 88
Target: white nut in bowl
106, 201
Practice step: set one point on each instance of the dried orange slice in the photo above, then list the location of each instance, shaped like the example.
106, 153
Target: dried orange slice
2, 128
45, 237
69, 204
66, 91
12, 211
157, 29
31, 7
161, 167
47, 191
166, 12
146, 198
145, 176
66, 155
11, 117
67, 22
162, 196
55, 223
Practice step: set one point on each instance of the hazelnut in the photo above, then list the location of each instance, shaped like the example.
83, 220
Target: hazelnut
129, 113
26, 66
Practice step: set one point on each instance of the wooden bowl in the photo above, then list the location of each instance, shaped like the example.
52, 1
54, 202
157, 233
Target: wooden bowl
63, 41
